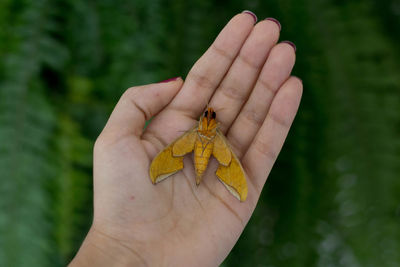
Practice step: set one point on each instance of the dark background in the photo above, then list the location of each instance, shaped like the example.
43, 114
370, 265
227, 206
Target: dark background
333, 197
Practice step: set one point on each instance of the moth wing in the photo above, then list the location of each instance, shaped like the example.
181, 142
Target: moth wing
233, 175
170, 159
164, 165
185, 143
221, 150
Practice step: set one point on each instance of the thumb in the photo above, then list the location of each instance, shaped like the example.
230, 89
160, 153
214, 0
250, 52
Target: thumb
138, 104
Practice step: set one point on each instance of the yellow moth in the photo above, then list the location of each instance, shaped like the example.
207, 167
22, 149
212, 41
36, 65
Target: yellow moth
204, 140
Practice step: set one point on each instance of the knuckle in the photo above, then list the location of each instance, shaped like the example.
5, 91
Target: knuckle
201, 80
130, 93
250, 61
268, 86
133, 96
279, 120
265, 149
221, 51
253, 116
233, 92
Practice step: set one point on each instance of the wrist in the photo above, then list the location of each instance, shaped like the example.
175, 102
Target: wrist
99, 249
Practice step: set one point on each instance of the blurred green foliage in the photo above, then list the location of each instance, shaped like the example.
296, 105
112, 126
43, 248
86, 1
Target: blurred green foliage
333, 197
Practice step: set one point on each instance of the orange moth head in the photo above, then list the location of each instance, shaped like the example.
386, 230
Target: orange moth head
210, 114
208, 120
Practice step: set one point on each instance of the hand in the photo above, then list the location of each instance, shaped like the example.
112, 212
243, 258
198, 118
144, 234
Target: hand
245, 77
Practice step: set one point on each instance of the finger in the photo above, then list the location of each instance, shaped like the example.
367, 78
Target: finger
275, 72
239, 81
209, 70
137, 105
268, 142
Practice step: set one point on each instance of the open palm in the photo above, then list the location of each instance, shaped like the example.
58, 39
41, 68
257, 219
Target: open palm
245, 78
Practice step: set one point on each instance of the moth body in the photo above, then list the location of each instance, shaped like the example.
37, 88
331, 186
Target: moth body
203, 149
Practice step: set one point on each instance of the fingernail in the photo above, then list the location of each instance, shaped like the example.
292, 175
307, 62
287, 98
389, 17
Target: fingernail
276, 21
251, 13
170, 80
290, 43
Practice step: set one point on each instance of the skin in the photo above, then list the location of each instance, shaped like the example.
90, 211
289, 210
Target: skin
245, 77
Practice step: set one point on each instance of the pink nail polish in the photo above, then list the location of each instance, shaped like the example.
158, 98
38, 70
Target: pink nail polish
170, 80
276, 21
291, 44
251, 13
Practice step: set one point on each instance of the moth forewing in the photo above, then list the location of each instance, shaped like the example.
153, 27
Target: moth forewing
170, 159
185, 143
222, 151
164, 165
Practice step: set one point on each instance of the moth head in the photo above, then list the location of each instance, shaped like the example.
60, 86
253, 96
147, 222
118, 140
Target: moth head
210, 114
209, 119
